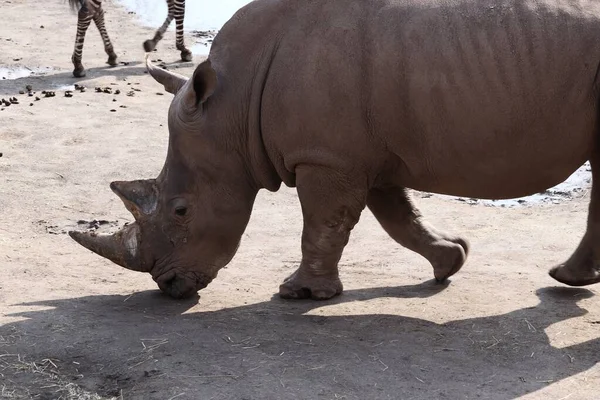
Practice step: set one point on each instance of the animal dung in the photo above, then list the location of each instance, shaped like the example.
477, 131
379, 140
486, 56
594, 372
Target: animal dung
12, 100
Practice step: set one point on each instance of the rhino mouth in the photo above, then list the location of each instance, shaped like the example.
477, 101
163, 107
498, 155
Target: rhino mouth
179, 284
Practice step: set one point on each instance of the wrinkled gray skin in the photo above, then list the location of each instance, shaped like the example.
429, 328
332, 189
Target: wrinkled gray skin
353, 102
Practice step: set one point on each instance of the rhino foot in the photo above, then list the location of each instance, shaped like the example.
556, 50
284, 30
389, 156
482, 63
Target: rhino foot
569, 275
450, 257
583, 267
303, 286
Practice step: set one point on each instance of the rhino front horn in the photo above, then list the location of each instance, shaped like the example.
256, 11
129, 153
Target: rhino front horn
120, 247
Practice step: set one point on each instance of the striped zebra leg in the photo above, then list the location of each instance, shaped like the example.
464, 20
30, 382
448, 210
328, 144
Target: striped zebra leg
108, 47
179, 7
84, 17
150, 44
177, 12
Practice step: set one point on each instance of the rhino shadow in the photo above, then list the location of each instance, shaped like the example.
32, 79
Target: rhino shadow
146, 346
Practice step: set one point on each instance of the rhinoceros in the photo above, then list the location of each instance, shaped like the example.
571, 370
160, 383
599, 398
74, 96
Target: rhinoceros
355, 102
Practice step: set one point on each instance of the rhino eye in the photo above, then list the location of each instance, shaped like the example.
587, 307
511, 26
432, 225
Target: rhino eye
181, 210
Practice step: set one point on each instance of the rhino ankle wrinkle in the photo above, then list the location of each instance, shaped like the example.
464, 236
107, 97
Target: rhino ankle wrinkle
313, 103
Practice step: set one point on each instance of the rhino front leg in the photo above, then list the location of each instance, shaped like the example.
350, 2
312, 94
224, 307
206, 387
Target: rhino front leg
331, 206
583, 267
399, 217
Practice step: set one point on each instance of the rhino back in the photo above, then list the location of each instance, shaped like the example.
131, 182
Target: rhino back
489, 98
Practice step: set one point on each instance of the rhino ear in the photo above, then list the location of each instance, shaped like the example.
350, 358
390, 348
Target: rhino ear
204, 82
170, 80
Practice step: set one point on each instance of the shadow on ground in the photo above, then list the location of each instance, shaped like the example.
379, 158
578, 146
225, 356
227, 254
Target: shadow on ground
55, 81
147, 346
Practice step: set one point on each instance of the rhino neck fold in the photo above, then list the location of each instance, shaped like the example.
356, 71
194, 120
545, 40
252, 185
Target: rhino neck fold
259, 162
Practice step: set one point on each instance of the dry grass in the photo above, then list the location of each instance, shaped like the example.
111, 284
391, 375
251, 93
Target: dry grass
24, 379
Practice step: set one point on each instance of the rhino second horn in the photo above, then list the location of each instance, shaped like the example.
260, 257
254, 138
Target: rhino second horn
170, 80
120, 247
140, 197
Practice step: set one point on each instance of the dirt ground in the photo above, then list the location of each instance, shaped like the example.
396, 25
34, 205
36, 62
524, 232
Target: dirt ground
75, 326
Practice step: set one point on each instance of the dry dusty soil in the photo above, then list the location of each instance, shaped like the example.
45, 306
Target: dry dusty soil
75, 326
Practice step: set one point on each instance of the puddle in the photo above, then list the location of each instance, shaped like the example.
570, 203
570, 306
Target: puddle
202, 16
18, 71
575, 185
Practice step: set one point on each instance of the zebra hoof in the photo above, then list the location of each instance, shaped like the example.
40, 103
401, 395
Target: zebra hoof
149, 45
112, 60
79, 72
186, 55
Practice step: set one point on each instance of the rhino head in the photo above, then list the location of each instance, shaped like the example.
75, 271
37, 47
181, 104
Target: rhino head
189, 220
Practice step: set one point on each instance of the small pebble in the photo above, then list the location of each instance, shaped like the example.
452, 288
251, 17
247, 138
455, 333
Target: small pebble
21, 92
29, 88
30, 104
68, 93
41, 26
123, 106
117, 91
37, 98
160, 94
113, 110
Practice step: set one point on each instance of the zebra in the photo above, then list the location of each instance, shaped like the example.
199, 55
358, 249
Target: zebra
92, 10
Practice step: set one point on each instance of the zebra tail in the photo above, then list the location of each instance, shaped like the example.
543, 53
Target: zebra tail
76, 4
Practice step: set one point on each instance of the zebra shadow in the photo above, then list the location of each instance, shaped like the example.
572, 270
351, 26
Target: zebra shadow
65, 80
148, 346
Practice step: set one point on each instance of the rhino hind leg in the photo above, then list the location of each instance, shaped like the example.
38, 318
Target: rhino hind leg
583, 267
400, 218
331, 206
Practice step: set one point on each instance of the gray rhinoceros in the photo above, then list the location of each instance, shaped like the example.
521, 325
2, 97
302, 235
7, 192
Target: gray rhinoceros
353, 102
